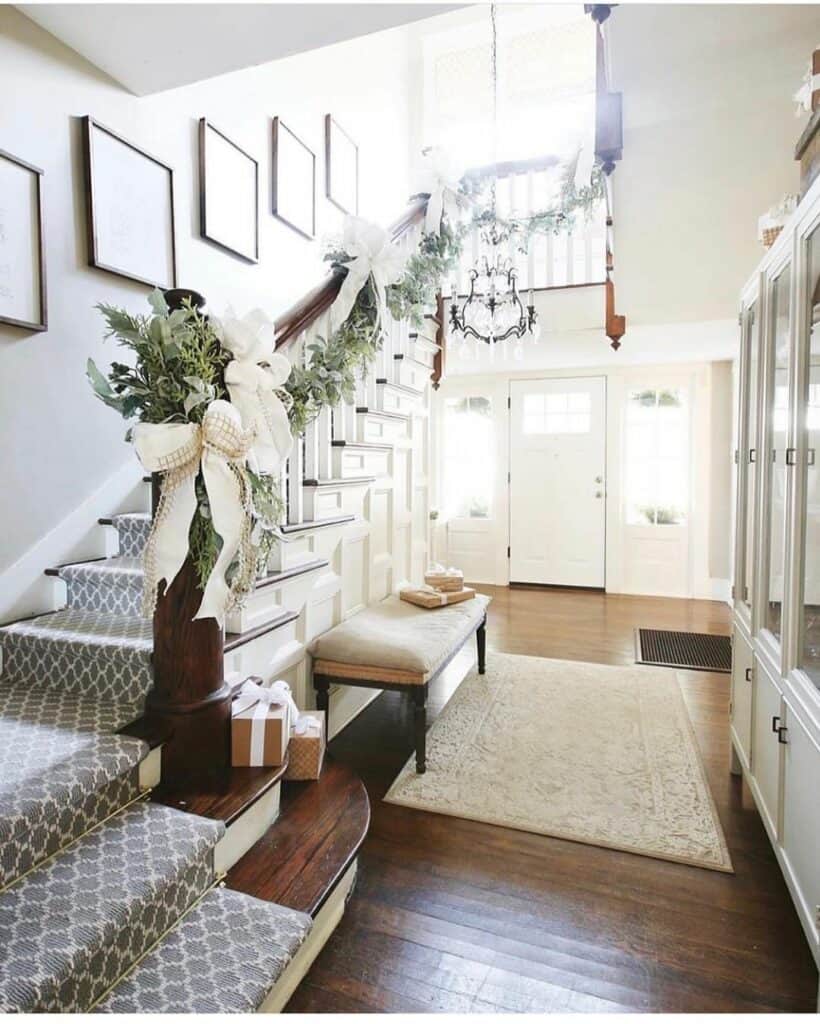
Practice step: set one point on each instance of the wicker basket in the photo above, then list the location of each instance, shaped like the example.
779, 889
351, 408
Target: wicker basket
769, 235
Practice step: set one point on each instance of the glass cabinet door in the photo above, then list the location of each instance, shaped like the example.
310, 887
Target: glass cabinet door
750, 455
805, 458
777, 433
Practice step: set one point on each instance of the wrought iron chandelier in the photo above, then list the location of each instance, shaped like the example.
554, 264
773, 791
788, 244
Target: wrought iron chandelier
493, 310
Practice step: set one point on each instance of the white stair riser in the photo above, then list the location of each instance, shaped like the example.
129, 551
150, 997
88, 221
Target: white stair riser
374, 430
327, 502
305, 547
248, 828
390, 400
410, 375
265, 603
351, 462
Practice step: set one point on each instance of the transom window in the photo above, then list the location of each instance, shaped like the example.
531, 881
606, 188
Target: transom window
566, 413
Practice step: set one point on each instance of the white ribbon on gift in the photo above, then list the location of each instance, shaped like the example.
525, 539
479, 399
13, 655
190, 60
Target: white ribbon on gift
441, 182
427, 590
218, 447
307, 725
252, 379
263, 696
372, 255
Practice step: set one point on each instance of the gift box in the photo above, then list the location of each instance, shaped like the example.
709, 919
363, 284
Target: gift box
307, 747
260, 725
444, 579
430, 597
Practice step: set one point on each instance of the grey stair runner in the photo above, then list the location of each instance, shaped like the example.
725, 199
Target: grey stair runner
61, 771
73, 926
132, 530
88, 652
110, 585
224, 957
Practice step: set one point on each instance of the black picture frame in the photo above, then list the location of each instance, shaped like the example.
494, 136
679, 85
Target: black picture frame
95, 214
41, 323
338, 201
279, 172
208, 194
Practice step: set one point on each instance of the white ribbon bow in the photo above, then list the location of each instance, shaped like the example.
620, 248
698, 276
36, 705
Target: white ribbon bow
219, 447
252, 378
277, 693
441, 182
307, 725
372, 254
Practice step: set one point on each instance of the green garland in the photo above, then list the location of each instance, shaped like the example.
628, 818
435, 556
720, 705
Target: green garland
329, 375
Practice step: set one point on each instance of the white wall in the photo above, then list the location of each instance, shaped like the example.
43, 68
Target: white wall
709, 135
480, 547
60, 445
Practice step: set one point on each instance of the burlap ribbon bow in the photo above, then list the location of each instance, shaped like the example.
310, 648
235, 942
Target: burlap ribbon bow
218, 447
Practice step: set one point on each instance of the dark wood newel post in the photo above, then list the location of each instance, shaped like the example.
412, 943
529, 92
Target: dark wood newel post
190, 697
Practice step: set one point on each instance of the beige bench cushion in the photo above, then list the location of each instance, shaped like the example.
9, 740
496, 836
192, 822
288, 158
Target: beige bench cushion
395, 641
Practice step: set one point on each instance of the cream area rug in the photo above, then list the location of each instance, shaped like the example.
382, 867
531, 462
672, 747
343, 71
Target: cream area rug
595, 753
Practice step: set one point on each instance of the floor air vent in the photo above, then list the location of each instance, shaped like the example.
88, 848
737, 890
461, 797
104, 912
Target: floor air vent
701, 651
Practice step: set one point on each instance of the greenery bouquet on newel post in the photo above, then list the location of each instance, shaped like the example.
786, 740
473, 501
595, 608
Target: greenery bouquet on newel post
206, 394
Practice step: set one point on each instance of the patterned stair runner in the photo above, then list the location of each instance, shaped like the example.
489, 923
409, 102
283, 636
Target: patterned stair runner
70, 928
93, 881
61, 771
221, 958
93, 653
112, 585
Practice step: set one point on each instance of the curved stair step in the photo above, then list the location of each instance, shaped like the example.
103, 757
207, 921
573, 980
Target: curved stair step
223, 957
74, 925
62, 771
104, 656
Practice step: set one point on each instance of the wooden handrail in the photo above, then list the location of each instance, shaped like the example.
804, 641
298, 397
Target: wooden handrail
311, 306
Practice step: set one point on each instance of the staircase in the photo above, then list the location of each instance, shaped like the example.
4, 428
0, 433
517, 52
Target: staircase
111, 890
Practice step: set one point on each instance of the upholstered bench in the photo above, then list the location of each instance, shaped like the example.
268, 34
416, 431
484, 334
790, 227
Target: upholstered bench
394, 645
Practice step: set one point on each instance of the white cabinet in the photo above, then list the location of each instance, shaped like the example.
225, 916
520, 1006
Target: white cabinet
801, 821
775, 720
766, 746
742, 695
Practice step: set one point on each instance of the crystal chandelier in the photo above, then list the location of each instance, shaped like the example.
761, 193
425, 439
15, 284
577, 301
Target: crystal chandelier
493, 310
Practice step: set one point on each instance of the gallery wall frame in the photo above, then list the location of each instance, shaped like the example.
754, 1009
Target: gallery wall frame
341, 167
228, 194
23, 292
129, 207
293, 187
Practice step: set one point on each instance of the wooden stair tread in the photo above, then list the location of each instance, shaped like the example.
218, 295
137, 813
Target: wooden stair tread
363, 410
404, 388
340, 481
226, 802
234, 640
306, 852
370, 446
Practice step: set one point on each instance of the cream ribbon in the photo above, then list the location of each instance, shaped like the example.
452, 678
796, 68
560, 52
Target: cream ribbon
427, 590
307, 725
252, 378
442, 184
218, 448
372, 255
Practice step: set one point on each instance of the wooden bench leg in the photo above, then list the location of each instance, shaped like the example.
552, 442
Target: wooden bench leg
481, 643
322, 687
420, 724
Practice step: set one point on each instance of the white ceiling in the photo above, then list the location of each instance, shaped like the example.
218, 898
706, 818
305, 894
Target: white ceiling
151, 47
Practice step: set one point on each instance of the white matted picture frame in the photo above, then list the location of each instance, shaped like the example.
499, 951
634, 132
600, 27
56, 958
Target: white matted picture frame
228, 194
130, 208
341, 167
22, 245
293, 194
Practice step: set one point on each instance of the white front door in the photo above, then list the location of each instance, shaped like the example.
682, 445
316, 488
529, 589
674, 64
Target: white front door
558, 481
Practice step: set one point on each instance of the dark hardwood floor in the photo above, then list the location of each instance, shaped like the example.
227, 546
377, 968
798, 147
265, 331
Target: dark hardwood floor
453, 915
